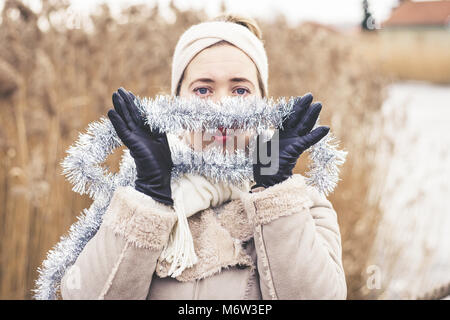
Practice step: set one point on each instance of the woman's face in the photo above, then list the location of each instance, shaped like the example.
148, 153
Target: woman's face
214, 73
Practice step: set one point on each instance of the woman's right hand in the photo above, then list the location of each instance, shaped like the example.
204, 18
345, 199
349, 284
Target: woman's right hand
149, 149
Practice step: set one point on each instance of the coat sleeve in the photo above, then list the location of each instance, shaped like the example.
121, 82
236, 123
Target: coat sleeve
119, 261
297, 240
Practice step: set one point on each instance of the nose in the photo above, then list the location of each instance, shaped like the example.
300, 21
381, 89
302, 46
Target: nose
220, 94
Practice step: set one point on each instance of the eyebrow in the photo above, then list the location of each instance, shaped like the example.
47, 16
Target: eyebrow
208, 80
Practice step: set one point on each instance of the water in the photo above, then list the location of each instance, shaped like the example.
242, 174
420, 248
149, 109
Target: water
412, 246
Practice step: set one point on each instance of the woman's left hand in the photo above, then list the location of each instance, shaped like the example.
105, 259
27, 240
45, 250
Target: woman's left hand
293, 139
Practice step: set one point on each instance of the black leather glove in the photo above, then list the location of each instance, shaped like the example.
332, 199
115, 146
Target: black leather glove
294, 137
149, 149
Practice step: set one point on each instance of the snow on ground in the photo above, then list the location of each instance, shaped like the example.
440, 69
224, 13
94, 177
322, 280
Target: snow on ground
412, 247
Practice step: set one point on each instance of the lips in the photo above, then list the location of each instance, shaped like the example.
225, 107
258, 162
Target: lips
223, 130
221, 138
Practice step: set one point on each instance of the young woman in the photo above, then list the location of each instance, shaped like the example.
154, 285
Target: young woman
276, 238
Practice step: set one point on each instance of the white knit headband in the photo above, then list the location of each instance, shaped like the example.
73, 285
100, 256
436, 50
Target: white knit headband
205, 34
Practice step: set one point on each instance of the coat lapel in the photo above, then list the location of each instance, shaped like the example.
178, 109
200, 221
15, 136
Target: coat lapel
218, 234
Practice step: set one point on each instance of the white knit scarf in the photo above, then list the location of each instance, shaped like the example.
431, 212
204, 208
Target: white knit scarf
192, 193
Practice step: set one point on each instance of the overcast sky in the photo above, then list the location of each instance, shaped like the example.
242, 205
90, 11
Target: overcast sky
323, 11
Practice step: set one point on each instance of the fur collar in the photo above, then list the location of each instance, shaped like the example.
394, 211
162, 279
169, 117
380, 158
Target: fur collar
218, 234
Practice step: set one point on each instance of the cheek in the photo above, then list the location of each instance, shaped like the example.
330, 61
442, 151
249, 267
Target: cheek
196, 139
184, 92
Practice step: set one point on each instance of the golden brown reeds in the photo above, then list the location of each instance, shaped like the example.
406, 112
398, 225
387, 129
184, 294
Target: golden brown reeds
410, 54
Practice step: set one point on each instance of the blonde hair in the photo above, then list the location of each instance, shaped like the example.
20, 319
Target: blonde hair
247, 22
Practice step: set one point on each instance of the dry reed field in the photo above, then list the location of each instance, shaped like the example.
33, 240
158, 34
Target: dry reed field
410, 54
54, 82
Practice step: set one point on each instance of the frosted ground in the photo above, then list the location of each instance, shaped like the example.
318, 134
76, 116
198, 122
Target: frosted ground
412, 247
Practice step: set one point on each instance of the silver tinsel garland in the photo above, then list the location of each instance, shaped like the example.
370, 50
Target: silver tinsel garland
83, 164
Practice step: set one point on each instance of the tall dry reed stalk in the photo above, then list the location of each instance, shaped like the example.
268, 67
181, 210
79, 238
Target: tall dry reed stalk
54, 82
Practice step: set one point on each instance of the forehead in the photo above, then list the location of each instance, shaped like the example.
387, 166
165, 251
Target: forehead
223, 61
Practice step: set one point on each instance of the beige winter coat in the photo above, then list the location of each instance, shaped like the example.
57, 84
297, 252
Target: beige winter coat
282, 242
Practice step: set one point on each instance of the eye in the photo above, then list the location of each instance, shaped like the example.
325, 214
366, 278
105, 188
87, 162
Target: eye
241, 91
201, 91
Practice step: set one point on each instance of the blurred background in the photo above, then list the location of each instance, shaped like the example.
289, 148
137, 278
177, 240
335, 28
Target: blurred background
380, 68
